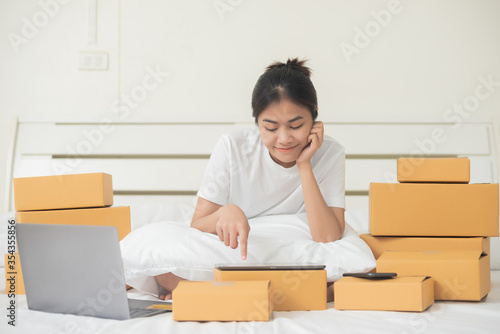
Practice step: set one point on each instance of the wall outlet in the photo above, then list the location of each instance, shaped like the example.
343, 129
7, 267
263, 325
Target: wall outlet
93, 61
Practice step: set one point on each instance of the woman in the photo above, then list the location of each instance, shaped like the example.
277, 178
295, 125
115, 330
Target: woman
284, 166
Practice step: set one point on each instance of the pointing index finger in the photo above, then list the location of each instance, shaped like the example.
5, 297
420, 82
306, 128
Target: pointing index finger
243, 244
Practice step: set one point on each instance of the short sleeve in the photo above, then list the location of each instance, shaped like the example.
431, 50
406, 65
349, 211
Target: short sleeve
332, 185
215, 184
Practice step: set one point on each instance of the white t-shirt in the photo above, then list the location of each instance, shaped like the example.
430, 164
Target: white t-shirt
242, 172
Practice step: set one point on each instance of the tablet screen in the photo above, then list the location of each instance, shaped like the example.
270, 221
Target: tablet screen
269, 266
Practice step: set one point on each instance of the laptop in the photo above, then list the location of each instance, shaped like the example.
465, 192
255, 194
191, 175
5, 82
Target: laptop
77, 269
270, 266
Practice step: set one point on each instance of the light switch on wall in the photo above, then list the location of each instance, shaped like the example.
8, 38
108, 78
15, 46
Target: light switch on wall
93, 61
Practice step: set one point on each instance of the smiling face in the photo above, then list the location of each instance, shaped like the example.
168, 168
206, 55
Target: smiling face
284, 127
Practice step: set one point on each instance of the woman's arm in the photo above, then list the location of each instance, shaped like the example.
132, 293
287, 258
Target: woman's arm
228, 222
206, 215
326, 223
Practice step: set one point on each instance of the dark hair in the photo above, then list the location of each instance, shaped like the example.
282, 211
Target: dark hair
285, 81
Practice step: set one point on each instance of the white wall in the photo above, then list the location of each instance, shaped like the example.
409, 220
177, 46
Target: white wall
423, 59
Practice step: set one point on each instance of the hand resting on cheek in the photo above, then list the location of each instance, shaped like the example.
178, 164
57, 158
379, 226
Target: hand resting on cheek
315, 140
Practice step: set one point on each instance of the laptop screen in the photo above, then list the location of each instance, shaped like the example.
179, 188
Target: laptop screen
73, 269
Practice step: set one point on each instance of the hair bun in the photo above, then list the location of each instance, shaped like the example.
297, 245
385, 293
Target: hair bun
294, 63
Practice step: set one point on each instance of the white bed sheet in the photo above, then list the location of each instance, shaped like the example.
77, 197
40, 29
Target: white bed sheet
442, 317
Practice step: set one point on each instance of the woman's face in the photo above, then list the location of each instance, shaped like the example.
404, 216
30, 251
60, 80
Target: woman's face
284, 128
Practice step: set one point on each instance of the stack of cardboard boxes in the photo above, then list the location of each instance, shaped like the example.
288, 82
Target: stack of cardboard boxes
78, 199
433, 223
432, 229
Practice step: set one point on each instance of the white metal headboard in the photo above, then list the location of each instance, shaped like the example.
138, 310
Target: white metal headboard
158, 160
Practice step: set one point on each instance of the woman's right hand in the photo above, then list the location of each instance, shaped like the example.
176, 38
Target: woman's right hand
233, 224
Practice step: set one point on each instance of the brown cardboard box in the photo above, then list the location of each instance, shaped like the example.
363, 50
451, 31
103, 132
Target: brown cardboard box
433, 209
118, 216
452, 170
13, 275
395, 294
458, 275
379, 245
222, 301
292, 290
63, 192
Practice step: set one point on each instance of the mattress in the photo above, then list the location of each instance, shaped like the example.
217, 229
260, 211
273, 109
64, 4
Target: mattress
442, 317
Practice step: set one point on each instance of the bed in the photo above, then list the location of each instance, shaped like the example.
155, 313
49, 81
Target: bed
150, 158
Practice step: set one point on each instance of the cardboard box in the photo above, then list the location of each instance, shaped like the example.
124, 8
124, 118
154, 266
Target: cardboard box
63, 192
452, 170
395, 294
433, 209
118, 216
14, 283
292, 290
379, 245
458, 275
222, 301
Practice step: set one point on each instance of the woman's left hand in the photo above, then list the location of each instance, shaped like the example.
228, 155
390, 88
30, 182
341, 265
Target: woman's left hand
315, 139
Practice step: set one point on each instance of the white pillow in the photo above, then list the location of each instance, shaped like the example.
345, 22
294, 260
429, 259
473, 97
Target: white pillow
175, 247
146, 213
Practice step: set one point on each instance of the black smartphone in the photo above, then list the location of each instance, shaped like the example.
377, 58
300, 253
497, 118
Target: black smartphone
371, 275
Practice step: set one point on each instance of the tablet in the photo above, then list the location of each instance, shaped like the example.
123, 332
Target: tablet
371, 275
269, 266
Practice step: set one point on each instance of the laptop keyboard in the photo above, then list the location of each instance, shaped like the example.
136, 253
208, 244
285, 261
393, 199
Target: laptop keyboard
142, 312
139, 308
